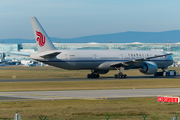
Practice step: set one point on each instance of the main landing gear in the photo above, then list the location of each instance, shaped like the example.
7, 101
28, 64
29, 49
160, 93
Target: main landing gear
120, 74
93, 75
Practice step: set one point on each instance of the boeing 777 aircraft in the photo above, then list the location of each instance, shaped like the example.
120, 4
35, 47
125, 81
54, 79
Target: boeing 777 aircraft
98, 61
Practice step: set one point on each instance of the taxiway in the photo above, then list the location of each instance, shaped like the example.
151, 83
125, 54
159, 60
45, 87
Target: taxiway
85, 79
86, 94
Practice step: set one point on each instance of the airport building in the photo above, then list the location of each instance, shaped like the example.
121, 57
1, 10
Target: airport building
27, 48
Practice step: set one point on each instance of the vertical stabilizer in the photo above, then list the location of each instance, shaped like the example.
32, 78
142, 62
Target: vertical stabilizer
42, 40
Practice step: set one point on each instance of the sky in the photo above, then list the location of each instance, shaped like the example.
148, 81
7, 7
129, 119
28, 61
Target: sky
77, 18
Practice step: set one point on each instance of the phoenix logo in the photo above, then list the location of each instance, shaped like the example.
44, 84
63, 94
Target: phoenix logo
41, 38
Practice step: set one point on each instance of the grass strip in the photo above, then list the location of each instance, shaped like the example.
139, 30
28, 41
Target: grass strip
51, 72
125, 109
91, 85
21, 72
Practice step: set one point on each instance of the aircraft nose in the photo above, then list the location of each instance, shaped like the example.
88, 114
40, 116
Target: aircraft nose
170, 58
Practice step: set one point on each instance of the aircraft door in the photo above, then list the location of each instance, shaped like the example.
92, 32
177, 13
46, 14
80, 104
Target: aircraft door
121, 57
66, 56
94, 56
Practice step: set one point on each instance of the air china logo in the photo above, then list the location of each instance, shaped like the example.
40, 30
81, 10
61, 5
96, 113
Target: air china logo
41, 38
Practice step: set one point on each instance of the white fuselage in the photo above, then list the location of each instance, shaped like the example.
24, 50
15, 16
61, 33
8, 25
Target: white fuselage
93, 59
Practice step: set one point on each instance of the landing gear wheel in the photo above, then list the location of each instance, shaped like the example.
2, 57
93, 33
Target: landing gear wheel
88, 75
97, 76
115, 76
120, 76
120, 73
92, 75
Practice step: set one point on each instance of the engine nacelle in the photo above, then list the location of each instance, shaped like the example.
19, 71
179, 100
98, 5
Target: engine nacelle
149, 68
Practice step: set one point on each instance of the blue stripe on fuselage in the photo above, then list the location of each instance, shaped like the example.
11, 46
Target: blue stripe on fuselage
94, 60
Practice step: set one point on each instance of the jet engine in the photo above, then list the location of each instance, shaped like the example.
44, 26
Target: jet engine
149, 68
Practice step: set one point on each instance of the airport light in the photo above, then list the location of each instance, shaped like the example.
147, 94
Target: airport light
144, 117
176, 115
42, 119
107, 118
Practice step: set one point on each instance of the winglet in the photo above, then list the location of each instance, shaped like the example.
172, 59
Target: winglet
42, 40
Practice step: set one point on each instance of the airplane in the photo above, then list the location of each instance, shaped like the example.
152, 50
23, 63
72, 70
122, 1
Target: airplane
98, 61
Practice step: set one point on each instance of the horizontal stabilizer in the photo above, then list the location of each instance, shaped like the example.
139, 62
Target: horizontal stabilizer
20, 54
51, 55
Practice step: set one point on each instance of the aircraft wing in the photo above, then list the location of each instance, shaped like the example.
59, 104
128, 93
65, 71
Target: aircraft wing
127, 63
20, 54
